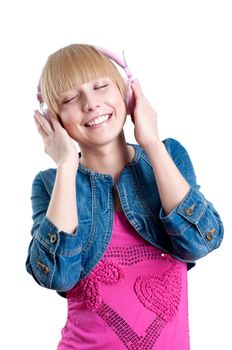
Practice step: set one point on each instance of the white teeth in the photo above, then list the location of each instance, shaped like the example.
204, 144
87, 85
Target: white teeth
98, 120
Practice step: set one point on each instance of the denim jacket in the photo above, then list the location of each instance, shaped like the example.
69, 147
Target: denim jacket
58, 260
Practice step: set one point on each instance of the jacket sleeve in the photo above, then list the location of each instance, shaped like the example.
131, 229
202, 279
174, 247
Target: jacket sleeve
194, 226
54, 256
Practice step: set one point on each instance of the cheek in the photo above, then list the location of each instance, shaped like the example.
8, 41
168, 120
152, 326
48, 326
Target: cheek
68, 119
118, 101
123, 108
71, 127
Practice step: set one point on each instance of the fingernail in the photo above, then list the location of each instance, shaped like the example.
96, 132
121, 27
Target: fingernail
135, 81
36, 112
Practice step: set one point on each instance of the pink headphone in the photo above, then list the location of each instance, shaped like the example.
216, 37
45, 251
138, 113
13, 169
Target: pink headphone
121, 62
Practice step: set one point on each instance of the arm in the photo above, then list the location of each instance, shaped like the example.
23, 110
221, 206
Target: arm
62, 209
172, 186
191, 222
54, 253
54, 256
194, 226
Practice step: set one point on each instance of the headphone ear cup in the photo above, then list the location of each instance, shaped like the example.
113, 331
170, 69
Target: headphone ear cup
130, 98
45, 111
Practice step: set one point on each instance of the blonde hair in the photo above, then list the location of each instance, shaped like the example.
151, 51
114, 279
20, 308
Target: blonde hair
72, 65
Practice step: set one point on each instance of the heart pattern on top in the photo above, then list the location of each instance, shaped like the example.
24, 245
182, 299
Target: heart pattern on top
160, 294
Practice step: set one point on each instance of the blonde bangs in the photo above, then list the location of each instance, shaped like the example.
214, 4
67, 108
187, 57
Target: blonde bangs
74, 65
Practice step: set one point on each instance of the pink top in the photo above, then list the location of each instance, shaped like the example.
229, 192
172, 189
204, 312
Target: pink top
135, 298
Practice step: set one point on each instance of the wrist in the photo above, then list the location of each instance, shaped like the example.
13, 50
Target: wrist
153, 146
68, 164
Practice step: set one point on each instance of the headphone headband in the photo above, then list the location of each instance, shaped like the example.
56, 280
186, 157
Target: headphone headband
117, 59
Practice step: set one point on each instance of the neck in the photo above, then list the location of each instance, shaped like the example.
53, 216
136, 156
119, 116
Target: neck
110, 158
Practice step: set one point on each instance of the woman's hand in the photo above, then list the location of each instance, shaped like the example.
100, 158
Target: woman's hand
57, 143
144, 118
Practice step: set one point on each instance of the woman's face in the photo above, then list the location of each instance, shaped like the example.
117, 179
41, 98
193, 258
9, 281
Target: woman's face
93, 113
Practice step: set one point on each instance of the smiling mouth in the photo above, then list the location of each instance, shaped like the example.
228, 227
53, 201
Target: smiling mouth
99, 120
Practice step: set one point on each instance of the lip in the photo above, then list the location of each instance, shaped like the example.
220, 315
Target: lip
100, 124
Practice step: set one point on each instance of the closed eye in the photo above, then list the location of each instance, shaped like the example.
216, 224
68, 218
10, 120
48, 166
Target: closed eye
100, 87
70, 99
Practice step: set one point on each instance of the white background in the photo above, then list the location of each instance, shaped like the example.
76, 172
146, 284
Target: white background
181, 53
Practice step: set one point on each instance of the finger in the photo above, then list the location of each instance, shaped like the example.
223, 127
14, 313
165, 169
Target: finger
40, 129
55, 123
43, 122
135, 85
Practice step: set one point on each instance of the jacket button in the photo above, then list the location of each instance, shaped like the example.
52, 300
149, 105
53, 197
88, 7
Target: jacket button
43, 267
189, 211
210, 234
53, 238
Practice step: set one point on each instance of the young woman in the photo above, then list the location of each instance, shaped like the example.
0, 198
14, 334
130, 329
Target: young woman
116, 226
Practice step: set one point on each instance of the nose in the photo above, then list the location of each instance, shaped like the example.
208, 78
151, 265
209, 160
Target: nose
90, 103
